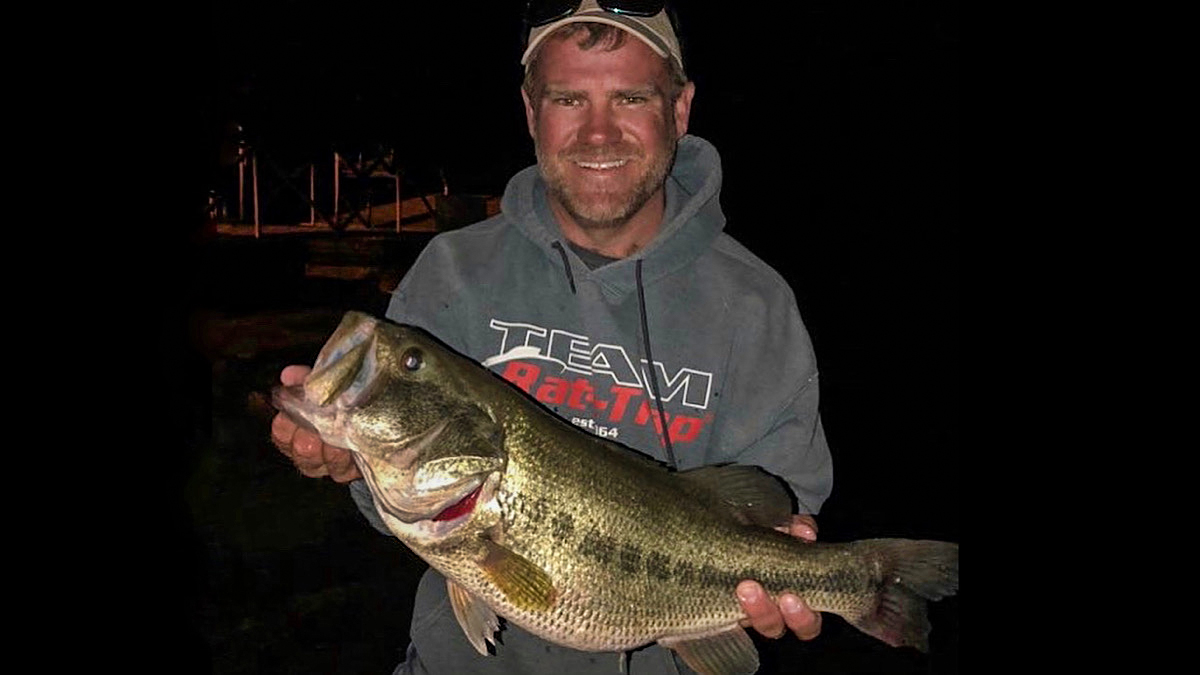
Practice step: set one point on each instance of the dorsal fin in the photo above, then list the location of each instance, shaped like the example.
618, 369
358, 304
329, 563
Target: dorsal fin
748, 493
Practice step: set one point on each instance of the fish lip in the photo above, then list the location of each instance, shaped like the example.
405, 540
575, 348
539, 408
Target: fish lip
290, 401
287, 399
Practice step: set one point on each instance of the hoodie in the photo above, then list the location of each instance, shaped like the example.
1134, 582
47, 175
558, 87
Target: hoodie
693, 316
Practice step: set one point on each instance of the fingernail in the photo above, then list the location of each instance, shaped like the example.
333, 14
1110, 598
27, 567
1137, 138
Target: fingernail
790, 604
747, 593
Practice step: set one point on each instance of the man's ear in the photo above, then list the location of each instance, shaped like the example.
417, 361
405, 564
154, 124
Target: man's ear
530, 120
683, 109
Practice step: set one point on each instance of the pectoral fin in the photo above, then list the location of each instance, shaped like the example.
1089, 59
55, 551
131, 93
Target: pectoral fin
477, 620
727, 652
524, 584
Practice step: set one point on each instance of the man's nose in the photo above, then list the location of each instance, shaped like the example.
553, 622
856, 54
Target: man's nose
600, 126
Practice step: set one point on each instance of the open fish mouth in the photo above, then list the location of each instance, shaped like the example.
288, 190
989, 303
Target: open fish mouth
462, 507
412, 487
449, 513
443, 505
460, 512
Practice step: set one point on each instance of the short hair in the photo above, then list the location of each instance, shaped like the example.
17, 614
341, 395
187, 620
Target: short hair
608, 38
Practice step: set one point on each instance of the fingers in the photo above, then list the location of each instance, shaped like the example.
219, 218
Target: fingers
293, 375
312, 457
801, 620
774, 620
308, 454
762, 614
340, 464
282, 430
804, 527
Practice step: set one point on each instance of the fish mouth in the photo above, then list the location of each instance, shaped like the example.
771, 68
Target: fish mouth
451, 503
460, 508
454, 505
290, 401
442, 526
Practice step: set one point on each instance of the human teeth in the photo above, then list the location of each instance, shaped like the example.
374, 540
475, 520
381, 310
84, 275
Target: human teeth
603, 165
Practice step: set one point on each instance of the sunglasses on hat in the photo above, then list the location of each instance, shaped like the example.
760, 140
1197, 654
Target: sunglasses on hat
542, 12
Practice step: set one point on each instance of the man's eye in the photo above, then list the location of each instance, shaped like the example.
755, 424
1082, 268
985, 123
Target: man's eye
635, 100
566, 101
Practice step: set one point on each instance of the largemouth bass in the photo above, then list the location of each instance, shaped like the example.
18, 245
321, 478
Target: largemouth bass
575, 538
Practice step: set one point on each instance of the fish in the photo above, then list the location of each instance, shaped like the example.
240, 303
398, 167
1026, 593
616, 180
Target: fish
576, 538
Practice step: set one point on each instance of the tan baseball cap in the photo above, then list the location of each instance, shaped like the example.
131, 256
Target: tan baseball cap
655, 31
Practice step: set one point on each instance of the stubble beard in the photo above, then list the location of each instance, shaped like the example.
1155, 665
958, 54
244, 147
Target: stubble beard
609, 209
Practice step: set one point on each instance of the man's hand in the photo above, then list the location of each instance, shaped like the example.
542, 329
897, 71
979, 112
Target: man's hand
304, 447
774, 620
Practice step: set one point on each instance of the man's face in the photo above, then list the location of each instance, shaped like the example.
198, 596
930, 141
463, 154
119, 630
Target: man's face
604, 131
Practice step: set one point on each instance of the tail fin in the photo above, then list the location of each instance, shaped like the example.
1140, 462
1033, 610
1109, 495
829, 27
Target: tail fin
913, 572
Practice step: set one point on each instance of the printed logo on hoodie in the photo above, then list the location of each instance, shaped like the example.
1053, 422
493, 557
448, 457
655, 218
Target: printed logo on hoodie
564, 369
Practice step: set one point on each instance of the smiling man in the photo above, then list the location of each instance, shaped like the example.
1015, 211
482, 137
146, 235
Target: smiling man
605, 120
607, 289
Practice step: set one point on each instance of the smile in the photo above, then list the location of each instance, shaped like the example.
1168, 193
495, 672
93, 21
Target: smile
614, 164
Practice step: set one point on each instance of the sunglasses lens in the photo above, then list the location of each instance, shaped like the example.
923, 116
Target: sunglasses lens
540, 12
632, 7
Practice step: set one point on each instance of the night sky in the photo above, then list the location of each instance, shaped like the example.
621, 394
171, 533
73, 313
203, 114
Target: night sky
837, 123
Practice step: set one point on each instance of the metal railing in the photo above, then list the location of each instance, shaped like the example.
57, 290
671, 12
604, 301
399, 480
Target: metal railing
277, 191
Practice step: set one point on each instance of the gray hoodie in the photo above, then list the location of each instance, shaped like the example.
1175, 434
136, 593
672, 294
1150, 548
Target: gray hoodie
731, 359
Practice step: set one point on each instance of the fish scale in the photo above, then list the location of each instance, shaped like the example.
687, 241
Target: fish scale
577, 539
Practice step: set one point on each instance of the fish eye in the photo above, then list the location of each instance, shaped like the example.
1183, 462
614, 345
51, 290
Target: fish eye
412, 360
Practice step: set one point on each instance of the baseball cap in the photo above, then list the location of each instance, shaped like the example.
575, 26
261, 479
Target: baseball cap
655, 30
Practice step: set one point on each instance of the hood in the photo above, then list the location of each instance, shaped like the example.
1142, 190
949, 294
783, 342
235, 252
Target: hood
693, 220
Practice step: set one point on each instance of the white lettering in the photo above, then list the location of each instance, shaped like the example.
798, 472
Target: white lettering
576, 353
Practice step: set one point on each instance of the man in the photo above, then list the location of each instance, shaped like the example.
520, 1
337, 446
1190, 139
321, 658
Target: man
607, 290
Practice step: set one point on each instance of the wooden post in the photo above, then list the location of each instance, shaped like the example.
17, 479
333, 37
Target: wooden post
254, 177
312, 194
337, 175
241, 186
397, 177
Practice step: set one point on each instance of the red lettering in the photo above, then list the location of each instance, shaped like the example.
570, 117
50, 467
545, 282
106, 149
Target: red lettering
581, 393
524, 375
645, 414
623, 395
685, 429
553, 392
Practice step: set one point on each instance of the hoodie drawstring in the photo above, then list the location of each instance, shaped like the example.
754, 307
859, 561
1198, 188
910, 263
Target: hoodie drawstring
566, 266
662, 415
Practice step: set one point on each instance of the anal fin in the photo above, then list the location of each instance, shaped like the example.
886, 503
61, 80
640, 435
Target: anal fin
726, 652
477, 620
